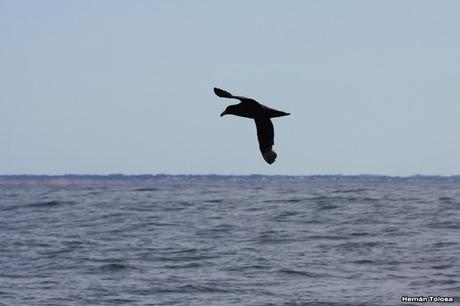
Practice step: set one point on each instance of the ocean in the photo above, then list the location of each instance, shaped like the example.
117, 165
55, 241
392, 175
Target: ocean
229, 240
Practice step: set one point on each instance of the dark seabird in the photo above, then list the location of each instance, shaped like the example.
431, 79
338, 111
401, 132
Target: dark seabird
261, 114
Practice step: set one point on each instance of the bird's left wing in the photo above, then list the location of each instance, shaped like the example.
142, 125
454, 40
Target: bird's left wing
266, 135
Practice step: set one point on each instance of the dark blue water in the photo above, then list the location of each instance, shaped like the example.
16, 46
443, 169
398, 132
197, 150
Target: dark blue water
228, 242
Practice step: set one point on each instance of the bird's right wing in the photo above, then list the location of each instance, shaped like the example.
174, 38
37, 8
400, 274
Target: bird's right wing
266, 135
225, 94
222, 93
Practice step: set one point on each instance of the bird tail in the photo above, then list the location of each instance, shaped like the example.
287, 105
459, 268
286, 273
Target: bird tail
276, 113
222, 93
269, 156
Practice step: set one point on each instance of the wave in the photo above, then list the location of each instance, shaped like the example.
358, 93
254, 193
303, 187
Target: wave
114, 267
52, 203
146, 189
301, 273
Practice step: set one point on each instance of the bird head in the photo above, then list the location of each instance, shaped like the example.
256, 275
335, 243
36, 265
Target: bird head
228, 111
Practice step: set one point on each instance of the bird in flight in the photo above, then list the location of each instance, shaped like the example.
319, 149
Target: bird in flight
261, 114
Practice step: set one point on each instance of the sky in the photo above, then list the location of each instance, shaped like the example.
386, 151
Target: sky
100, 87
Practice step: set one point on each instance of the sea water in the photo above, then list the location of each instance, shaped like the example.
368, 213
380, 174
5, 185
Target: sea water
228, 241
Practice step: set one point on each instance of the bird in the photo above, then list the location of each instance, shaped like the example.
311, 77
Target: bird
250, 108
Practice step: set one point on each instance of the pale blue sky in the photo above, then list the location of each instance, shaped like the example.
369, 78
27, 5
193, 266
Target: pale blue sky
126, 86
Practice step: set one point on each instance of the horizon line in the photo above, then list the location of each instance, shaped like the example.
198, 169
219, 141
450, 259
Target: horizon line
225, 175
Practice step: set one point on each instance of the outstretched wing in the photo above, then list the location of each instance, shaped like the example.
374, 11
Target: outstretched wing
225, 94
222, 93
266, 135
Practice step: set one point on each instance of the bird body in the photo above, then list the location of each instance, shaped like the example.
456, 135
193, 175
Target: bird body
261, 114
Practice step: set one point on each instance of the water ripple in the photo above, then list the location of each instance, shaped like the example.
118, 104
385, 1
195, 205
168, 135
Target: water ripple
229, 242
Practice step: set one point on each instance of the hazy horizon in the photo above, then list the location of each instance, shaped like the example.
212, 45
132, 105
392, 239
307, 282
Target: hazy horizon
138, 175
127, 87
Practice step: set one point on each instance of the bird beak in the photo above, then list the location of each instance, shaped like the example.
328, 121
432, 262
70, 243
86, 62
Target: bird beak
223, 113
